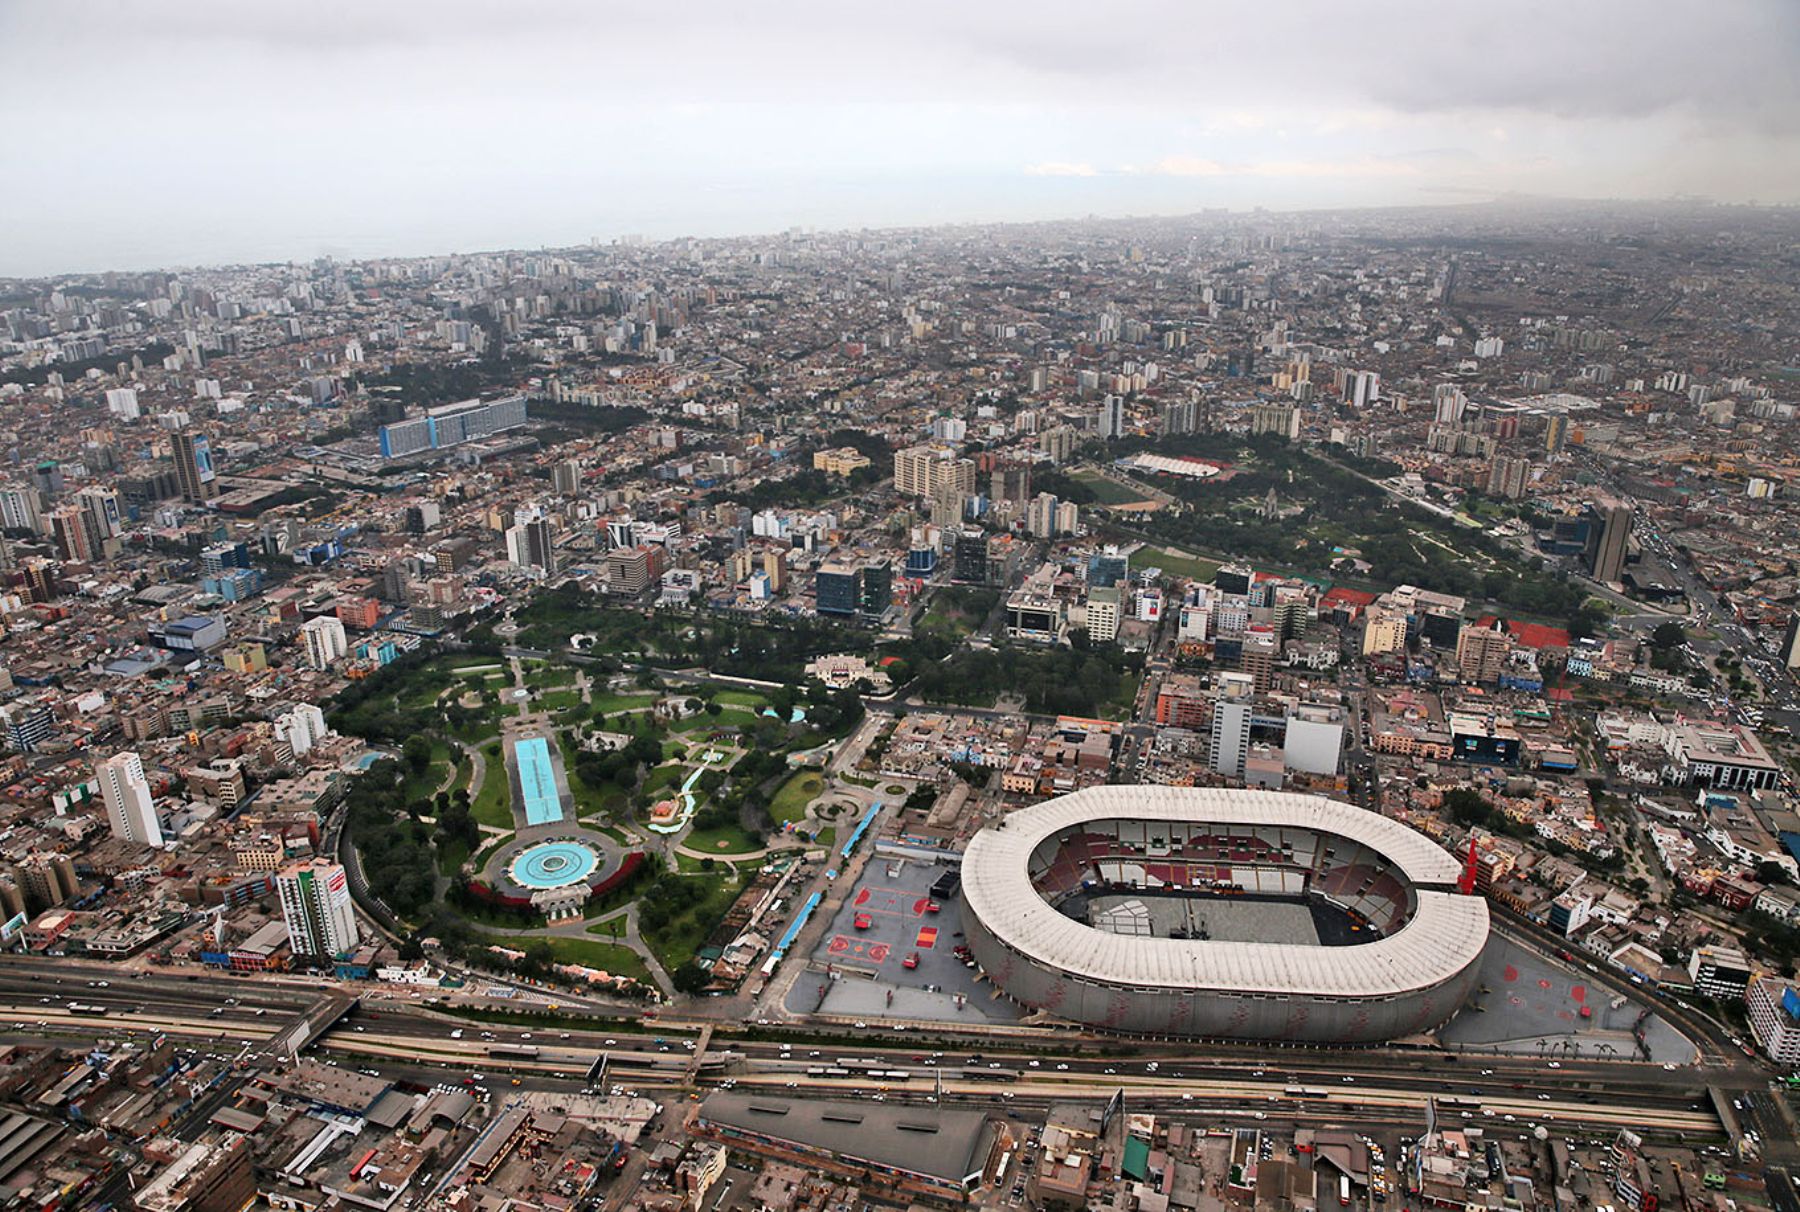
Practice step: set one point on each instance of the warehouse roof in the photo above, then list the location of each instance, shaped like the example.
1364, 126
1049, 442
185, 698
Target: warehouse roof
1443, 937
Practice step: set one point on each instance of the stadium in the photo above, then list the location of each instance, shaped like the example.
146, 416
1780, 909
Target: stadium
1206, 912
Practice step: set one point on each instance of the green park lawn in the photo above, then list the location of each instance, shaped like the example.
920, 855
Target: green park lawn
725, 841
606, 704
493, 803
1176, 565
592, 953
789, 805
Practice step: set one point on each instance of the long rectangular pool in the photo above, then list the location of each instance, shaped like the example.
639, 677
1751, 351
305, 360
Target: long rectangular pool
537, 781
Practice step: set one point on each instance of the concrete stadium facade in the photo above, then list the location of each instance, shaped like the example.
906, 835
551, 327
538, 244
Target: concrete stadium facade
1416, 973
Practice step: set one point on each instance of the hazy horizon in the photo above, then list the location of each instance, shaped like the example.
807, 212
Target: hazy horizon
197, 132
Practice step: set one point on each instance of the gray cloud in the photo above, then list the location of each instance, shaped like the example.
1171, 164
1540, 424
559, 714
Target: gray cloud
143, 130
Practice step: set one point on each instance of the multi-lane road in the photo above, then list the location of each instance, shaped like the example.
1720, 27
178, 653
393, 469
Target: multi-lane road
1362, 1087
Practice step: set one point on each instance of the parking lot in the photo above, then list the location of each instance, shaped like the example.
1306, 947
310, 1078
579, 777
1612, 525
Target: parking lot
863, 972
1532, 1004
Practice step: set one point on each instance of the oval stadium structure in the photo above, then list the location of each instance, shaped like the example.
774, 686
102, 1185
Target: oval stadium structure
1206, 912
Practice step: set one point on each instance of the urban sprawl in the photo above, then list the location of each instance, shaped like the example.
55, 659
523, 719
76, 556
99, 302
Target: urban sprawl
1253, 710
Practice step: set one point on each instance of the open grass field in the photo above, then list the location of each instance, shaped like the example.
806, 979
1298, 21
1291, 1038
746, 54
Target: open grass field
493, 803
789, 804
591, 953
724, 841
1176, 565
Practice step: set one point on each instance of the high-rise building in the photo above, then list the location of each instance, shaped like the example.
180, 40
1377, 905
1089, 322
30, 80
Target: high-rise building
301, 729
105, 512
324, 640
1556, 432
565, 477
1110, 423
877, 588
630, 570
1103, 614
1508, 477
1481, 653
1283, 420
20, 510
70, 526
130, 808
529, 544
920, 470
1608, 532
969, 561
1010, 481
1790, 643
28, 723
774, 566
838, 586
1041, 516
194, 466
315, 903
1231, 724
1260, 646
1108, 566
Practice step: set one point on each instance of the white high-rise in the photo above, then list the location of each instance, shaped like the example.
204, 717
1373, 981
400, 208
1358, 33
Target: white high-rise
1231, 723
301, 728
130, 808
325, 641
315, 903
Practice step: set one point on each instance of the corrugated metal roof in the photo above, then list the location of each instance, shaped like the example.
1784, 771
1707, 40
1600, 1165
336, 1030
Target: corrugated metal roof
1445, 934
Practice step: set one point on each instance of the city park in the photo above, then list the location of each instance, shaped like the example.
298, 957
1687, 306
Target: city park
578, 821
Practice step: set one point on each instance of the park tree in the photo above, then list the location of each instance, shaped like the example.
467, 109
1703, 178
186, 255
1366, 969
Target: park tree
690, 978
417, 752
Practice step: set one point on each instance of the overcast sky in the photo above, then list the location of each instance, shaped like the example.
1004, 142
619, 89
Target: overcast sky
146, 133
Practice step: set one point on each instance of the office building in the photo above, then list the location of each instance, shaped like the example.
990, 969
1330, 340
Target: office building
1721, 973
130, 808
1103, 614
530, 544
1774, 1007
877, 588
839, 588
315, 903
969, 558
194, 473
1609, 528
1107, 567
28, 723
566, 477
452, 425
1231, 724
324, 640
630, 570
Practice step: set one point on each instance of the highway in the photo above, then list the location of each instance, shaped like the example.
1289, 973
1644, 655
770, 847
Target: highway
1363, 1086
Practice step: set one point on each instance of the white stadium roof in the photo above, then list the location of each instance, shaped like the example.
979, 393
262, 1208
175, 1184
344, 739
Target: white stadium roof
1444, 935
